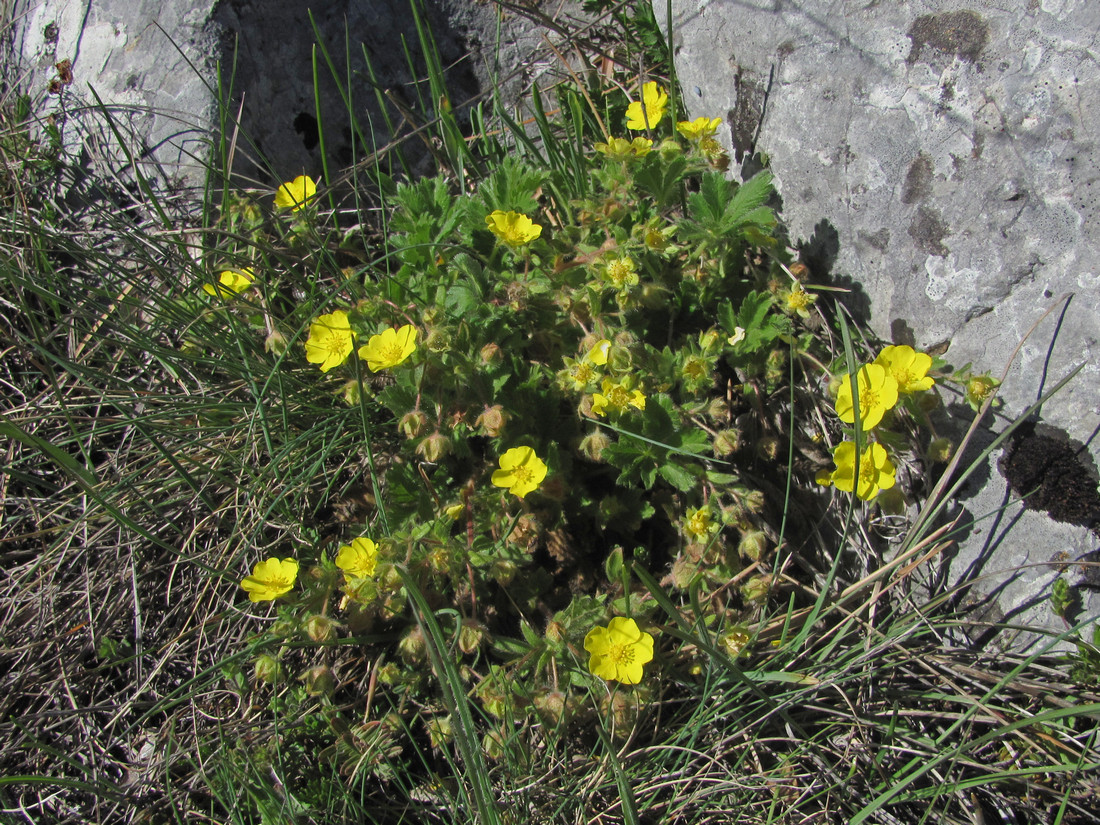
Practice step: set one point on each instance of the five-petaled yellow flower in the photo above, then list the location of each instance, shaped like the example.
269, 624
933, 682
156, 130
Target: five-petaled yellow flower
358, 559
797, 301
271, 579
621, 273
908, 367
646, 113
618, 396
878, 392
700, 524
231, 282
623, 149
521, 471
389, 348
512, 227
330, 340
296, 194
619, 651
876, 472
701, 127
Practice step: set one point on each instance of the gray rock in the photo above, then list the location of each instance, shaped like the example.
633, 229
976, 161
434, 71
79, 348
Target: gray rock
949, 151
160, 67
154, 80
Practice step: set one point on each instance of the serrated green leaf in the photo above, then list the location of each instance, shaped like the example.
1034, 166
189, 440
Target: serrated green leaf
679, 477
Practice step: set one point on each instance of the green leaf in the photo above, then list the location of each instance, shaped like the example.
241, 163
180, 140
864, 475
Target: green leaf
679, 477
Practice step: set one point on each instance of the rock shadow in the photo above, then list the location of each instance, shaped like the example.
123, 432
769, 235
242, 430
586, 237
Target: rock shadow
271, 51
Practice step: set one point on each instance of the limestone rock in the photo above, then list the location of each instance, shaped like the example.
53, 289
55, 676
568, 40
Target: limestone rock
941, 161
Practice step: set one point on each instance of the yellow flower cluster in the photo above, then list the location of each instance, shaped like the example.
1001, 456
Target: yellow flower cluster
623, 149
331, 340
897, 371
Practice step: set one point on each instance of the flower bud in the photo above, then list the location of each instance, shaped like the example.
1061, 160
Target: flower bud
437, 340
710, 340
768, 447
891, 502
756, 589
276, 343
319, 680
440, 730
390, 674
717, 409
552, 707
727, 442
284, 629
734, 641
267, 669
320, 628
412, 423
753, 544
471, 635
555, 633
413, 648
754, 501
434, 447
670, 149
928, 401
684, 572
593, 445
491, 354
492, 420
351, 393
940, 450
493, 745
503, 571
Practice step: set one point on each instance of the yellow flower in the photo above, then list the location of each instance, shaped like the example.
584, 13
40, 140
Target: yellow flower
619, 651
330, 340
700, 524
797, 301
521, 471
389, 348
271, 579
455, 511
581, 373
296, 194
647, 113
620, 272
358, 559
623, 149
908, 367
878, 392
618, 396
701, 127
876, 473
599, 352
978, 389
231, 282
513, 228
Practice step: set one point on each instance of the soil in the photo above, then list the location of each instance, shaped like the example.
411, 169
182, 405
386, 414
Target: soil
1048, 473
